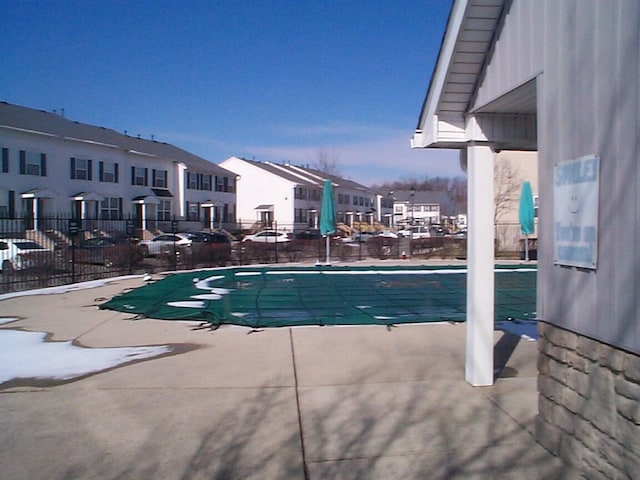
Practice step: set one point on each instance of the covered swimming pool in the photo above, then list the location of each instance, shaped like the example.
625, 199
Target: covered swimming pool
262, 296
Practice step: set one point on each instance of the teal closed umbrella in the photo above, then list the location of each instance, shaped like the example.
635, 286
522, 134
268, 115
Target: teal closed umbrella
328, 215
526, 214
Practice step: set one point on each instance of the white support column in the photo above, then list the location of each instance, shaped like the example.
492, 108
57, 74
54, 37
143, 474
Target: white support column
480, 266
144, 216
36, 213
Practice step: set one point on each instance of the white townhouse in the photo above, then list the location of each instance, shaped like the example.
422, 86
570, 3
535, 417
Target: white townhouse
53, 166
560, 78
289, 197
420, 207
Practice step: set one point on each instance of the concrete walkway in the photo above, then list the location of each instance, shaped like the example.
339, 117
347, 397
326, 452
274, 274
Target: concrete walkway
303, 403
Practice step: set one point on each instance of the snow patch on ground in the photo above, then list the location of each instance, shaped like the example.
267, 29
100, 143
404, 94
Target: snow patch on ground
26, 355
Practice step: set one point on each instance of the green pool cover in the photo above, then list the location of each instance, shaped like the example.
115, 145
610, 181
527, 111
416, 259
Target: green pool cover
288, 296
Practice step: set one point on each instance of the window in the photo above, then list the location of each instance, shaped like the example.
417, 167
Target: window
159, 178
300, 193
111, 208
224, 184
199, 181
164, 210
192, 181
206, 182
5, 160
33, 163
81, 168
139, 176
193, 211
108, 172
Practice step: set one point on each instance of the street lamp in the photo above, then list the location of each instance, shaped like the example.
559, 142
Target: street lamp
412, 194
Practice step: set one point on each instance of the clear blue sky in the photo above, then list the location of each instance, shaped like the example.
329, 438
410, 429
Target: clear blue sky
271, 80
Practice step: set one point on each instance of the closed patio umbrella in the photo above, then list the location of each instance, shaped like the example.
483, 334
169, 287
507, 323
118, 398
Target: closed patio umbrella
526, 214
328, 215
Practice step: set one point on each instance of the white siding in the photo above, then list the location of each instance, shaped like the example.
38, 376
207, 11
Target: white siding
259, 187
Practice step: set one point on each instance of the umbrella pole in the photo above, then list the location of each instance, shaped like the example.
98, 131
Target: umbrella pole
526, 247
328, 254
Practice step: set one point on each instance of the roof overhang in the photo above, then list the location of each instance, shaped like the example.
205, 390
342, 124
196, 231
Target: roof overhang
449, 117
87, 196
264, 208
161, 192
146, 200
39, 193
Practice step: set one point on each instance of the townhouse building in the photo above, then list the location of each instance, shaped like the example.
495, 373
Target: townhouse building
53, 166
290, 196
414, 207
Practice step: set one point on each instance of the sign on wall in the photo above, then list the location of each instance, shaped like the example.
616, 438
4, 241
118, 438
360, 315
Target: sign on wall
575, 212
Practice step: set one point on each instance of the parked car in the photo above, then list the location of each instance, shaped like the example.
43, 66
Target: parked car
108, 251
268, 236
417, 231
165, 243
206, 237
210, 247
388, 234
310, 234
362, 237
20, 253
438, 231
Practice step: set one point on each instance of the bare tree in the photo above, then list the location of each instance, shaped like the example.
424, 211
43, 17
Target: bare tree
327, 162
506, 184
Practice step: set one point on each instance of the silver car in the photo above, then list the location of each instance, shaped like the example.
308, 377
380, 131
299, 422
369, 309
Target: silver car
20, 253
165, 243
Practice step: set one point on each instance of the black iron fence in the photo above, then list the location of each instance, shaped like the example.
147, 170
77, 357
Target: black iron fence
74, 250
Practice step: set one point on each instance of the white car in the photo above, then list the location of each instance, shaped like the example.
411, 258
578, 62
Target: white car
165, 243
388, 234
20, 253
417, 231
268, 236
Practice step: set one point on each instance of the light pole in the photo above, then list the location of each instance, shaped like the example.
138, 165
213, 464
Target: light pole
412, 194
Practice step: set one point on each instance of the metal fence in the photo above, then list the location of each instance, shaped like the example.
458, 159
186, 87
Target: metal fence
69, 256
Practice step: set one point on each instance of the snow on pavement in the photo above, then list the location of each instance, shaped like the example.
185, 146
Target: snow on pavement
25, 355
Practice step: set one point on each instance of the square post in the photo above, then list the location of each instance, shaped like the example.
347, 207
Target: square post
480, 266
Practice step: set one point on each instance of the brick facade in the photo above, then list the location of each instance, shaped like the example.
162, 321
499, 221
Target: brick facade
589, 404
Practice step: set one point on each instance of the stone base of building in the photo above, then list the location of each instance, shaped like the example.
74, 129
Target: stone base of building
589, 404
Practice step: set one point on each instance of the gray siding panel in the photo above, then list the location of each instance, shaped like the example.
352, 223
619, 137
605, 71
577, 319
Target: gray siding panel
516, 57
589, 100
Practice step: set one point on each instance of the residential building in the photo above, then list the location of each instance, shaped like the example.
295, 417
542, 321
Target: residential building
562, 79
289, 197
511, 170
416, 207
55, 166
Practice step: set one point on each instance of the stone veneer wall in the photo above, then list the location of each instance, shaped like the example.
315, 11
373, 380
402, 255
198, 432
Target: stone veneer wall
589, 404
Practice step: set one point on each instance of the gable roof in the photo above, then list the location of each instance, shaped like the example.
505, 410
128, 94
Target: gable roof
304, 175
464, 53
50, 124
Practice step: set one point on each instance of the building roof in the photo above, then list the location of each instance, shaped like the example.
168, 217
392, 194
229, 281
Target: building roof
464, 53
304, 175
51, 124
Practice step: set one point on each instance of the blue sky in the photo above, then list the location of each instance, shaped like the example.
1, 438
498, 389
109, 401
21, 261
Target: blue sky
271, 80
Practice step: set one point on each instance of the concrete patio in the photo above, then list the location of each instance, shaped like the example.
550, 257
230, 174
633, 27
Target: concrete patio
300, 403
